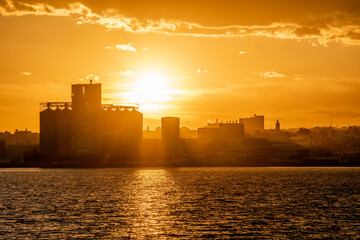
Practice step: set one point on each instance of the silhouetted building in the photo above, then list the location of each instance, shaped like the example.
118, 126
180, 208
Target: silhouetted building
170, 129
185, 132
148, 133
121, 130
86, 118
170, 135
253, 124
85, 126
56, 129
20, 137
48, 132
277, 125
229, 130
152, 151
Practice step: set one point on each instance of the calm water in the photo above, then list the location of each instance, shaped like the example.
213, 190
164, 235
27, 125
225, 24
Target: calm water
180, 203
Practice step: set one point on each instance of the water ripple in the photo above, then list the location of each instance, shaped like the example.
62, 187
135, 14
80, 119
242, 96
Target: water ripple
228, 203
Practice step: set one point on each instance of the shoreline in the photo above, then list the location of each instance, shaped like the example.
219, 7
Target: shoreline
137, 165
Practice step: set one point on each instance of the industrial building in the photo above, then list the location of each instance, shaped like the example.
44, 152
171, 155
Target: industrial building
85, 126
56, 129
253, 124
232, 129
170, 135
121, 130
228, 130
170, 129
86, 118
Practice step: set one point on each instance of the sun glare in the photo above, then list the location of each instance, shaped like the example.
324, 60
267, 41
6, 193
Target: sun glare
151, 90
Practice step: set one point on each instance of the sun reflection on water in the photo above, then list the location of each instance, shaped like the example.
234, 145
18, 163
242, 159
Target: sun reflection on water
154, 196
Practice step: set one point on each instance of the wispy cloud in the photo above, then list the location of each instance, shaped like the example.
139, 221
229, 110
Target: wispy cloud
123, 47
126, 47
201, 71
243, 52
26, 73
128, 73
270, 74
92, 77
336, 27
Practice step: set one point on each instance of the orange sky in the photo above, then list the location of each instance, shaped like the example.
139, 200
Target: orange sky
296, 61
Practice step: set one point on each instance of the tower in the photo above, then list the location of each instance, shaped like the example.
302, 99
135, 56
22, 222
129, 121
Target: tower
86, 118
277, 125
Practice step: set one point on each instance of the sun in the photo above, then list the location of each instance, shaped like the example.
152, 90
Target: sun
151, 90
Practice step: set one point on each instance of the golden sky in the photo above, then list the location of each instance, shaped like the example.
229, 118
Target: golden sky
296, 61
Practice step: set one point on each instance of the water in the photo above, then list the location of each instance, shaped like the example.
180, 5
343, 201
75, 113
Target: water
183, 203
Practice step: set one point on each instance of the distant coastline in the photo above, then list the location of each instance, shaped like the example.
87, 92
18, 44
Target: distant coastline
39, 161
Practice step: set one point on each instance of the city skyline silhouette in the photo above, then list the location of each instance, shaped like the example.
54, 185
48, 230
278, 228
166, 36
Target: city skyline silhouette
87, 133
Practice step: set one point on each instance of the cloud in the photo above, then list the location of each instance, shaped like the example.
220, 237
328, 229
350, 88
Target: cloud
201, 71
91, 77
38, 9
270, 74
243, 52
128, 73
123, 47
25, 73
126, 47
340, 27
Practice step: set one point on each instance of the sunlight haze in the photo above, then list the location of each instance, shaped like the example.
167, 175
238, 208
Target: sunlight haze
285, 60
